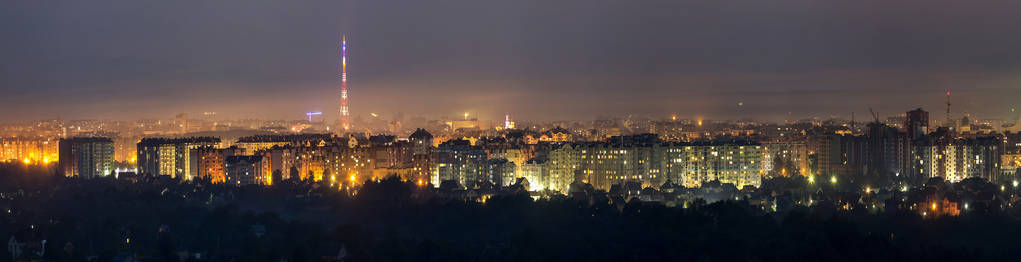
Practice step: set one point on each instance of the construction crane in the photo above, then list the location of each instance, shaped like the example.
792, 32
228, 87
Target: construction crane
875, 116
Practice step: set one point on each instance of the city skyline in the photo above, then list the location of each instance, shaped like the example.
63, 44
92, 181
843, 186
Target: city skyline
491, 59
528, 130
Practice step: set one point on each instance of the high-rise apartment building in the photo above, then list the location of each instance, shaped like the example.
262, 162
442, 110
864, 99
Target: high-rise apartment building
170, 156
86, 157
917, 123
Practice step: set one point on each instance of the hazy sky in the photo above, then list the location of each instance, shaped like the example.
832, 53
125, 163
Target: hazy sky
534, 59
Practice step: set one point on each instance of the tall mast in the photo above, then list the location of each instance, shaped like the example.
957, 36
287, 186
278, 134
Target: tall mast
949, 121
344, 115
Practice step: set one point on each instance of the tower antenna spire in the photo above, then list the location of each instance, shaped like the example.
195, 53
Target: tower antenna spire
345, 123
948, 109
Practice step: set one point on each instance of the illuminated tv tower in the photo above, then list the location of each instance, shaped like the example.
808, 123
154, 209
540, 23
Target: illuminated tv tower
345, 123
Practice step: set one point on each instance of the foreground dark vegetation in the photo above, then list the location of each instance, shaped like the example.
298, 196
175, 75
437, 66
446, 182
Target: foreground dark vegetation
152, 219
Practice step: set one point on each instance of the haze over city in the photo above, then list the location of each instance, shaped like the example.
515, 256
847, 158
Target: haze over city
537, 60
459, 130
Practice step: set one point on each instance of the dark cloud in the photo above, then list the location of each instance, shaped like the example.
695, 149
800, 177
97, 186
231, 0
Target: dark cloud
535, 59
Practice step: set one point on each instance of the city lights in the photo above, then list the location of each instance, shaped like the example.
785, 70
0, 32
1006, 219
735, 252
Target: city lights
601, 130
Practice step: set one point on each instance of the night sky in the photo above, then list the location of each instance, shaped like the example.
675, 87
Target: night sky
534, 59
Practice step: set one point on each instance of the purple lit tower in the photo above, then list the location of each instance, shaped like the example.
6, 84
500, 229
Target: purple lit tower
345, 123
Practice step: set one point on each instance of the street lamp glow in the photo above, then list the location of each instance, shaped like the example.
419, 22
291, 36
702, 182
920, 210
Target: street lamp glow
833, 179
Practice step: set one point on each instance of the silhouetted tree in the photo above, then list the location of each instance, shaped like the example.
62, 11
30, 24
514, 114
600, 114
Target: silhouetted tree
294, 174
277, 176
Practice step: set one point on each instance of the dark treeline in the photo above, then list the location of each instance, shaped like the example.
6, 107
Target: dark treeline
164, 220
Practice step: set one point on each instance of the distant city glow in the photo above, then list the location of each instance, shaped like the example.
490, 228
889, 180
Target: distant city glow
181, 125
